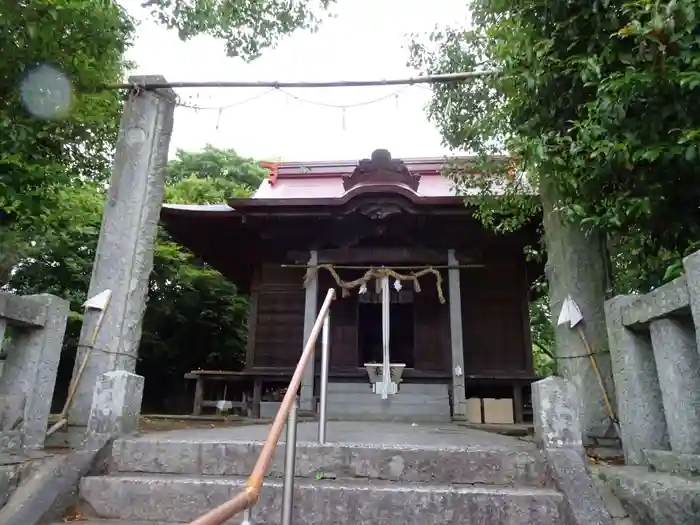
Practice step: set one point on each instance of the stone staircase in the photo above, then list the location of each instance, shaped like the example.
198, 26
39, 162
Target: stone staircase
426, 476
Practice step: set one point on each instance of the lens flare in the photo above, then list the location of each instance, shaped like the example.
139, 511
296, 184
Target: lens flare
46, 93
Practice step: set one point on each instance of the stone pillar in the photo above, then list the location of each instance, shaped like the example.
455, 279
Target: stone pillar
29, 376
639, 403
459, 393
557, 413
691, 265
124, 255
556, 409
115, 409
310, 312
678, 368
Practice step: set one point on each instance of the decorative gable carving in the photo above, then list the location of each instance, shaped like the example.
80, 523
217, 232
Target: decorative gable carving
381, 169
379, 210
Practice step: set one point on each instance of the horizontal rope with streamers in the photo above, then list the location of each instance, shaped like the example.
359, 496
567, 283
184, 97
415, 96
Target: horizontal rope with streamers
374, 273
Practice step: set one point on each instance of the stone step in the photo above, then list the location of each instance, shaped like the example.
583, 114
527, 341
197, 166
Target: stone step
100, 521
180, 499
97, 521
499, 463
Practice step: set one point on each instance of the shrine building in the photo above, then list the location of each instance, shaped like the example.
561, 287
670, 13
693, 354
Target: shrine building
456, 334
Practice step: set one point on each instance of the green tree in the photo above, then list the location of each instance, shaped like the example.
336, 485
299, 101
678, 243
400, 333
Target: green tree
194, 317
542, 333
591, 102
246, 27
52, 132
55, 127
595, 100
215, 163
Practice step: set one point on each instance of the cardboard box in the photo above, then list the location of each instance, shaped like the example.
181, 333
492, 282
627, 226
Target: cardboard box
474, 410
498, 411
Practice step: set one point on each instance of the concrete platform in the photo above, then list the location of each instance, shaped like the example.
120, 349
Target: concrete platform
381, 451
353, 432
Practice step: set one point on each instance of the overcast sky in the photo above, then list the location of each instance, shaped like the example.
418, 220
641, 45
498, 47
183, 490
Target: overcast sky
366, 40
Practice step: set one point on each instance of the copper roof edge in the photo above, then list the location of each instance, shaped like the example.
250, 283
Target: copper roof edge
406, 160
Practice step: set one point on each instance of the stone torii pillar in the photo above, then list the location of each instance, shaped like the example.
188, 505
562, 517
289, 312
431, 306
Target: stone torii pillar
124, 256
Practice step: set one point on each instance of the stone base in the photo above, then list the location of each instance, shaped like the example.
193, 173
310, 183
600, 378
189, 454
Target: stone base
68, 437
414, 403
45, 488
654, 498
558, 430
15, 469
686, 465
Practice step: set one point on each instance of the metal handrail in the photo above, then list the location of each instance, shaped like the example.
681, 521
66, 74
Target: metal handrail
249, 496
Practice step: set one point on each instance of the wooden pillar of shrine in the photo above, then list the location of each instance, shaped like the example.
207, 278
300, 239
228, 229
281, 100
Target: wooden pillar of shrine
459, 393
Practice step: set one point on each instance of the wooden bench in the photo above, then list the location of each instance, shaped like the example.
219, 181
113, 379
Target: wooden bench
254, 379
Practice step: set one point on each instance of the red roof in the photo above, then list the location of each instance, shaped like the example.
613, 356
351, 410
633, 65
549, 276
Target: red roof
301, 185
324, 180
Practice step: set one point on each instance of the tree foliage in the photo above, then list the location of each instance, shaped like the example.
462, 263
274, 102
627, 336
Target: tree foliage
593, 97
247, 27
194, 317
52, 133
542, 334
216, 164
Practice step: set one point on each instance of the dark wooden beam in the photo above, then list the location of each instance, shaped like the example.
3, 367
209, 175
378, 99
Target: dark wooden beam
360, 255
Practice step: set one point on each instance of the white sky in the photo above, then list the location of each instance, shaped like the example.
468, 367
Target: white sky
366, 40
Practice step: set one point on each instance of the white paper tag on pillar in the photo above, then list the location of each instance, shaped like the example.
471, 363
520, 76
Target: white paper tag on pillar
99, 301
570, 313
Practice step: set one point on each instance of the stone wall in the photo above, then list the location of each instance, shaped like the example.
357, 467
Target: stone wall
33, 350
656, 366
31, 337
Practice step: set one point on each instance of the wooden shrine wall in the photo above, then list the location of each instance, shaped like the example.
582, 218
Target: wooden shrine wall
495, 322
276, 323
432, 326
344, 350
